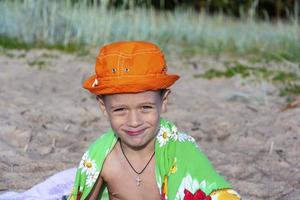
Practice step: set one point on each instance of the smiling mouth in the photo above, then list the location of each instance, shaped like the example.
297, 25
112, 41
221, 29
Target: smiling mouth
134, 133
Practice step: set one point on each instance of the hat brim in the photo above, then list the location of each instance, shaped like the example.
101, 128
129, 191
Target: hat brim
129, 84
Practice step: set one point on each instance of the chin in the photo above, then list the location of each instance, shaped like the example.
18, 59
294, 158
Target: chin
137, 143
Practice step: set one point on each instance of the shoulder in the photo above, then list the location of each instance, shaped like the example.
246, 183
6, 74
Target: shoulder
91, 164
179, 144
110, 164
169, 135
173, 143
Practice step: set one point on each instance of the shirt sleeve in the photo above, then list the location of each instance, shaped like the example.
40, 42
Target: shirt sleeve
195, 173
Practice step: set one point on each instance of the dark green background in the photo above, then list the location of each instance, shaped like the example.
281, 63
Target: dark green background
263, 8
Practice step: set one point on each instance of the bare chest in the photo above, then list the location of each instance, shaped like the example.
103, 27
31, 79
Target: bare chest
123, 183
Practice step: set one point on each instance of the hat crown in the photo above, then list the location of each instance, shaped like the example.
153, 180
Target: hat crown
129, 59
129, 67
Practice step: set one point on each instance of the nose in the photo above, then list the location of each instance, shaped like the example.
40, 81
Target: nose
134, 119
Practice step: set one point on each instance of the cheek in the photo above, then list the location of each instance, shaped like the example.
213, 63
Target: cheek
116, 121
152, 117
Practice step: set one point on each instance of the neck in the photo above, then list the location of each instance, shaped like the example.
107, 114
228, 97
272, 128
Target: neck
140, 151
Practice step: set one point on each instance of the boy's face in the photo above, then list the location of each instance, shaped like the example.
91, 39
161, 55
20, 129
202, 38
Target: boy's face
134, 117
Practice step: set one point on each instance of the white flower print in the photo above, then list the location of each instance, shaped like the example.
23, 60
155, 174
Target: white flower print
83, 159
191, 139
158, 182
182, 137
163, 136
92, 178
187, 183
174, 133
174, 130
174, 137
192, 185
87, 165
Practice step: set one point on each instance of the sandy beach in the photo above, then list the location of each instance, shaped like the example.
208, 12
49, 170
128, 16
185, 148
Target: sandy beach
47, 120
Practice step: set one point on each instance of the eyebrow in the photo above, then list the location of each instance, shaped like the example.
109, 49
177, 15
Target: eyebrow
117, 106
144, 103
150, 103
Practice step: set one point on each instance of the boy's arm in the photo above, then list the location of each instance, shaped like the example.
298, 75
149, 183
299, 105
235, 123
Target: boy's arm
96, 189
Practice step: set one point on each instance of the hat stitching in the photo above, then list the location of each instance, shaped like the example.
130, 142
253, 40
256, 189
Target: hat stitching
166, 83
120, 70
118, 64
121, 83
121, 67
125, 56
132, 76
136, 51
102, 89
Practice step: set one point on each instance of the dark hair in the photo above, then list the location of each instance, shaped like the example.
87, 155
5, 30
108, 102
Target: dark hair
163, 91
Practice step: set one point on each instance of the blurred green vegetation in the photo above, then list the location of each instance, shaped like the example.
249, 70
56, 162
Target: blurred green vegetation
71, 25
290, 92
38, 64
246, 71
268, 30
15, 43
243, 70
288, 82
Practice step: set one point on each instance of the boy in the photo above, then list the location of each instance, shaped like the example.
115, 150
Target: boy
142, 157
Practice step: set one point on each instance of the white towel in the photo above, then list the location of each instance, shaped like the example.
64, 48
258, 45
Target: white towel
53, 188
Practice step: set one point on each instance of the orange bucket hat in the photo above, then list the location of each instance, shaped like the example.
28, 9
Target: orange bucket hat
129, 67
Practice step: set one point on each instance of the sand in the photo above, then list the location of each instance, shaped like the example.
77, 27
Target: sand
47, 121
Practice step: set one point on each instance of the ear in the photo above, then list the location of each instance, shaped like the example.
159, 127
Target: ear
165, 100
102, 105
